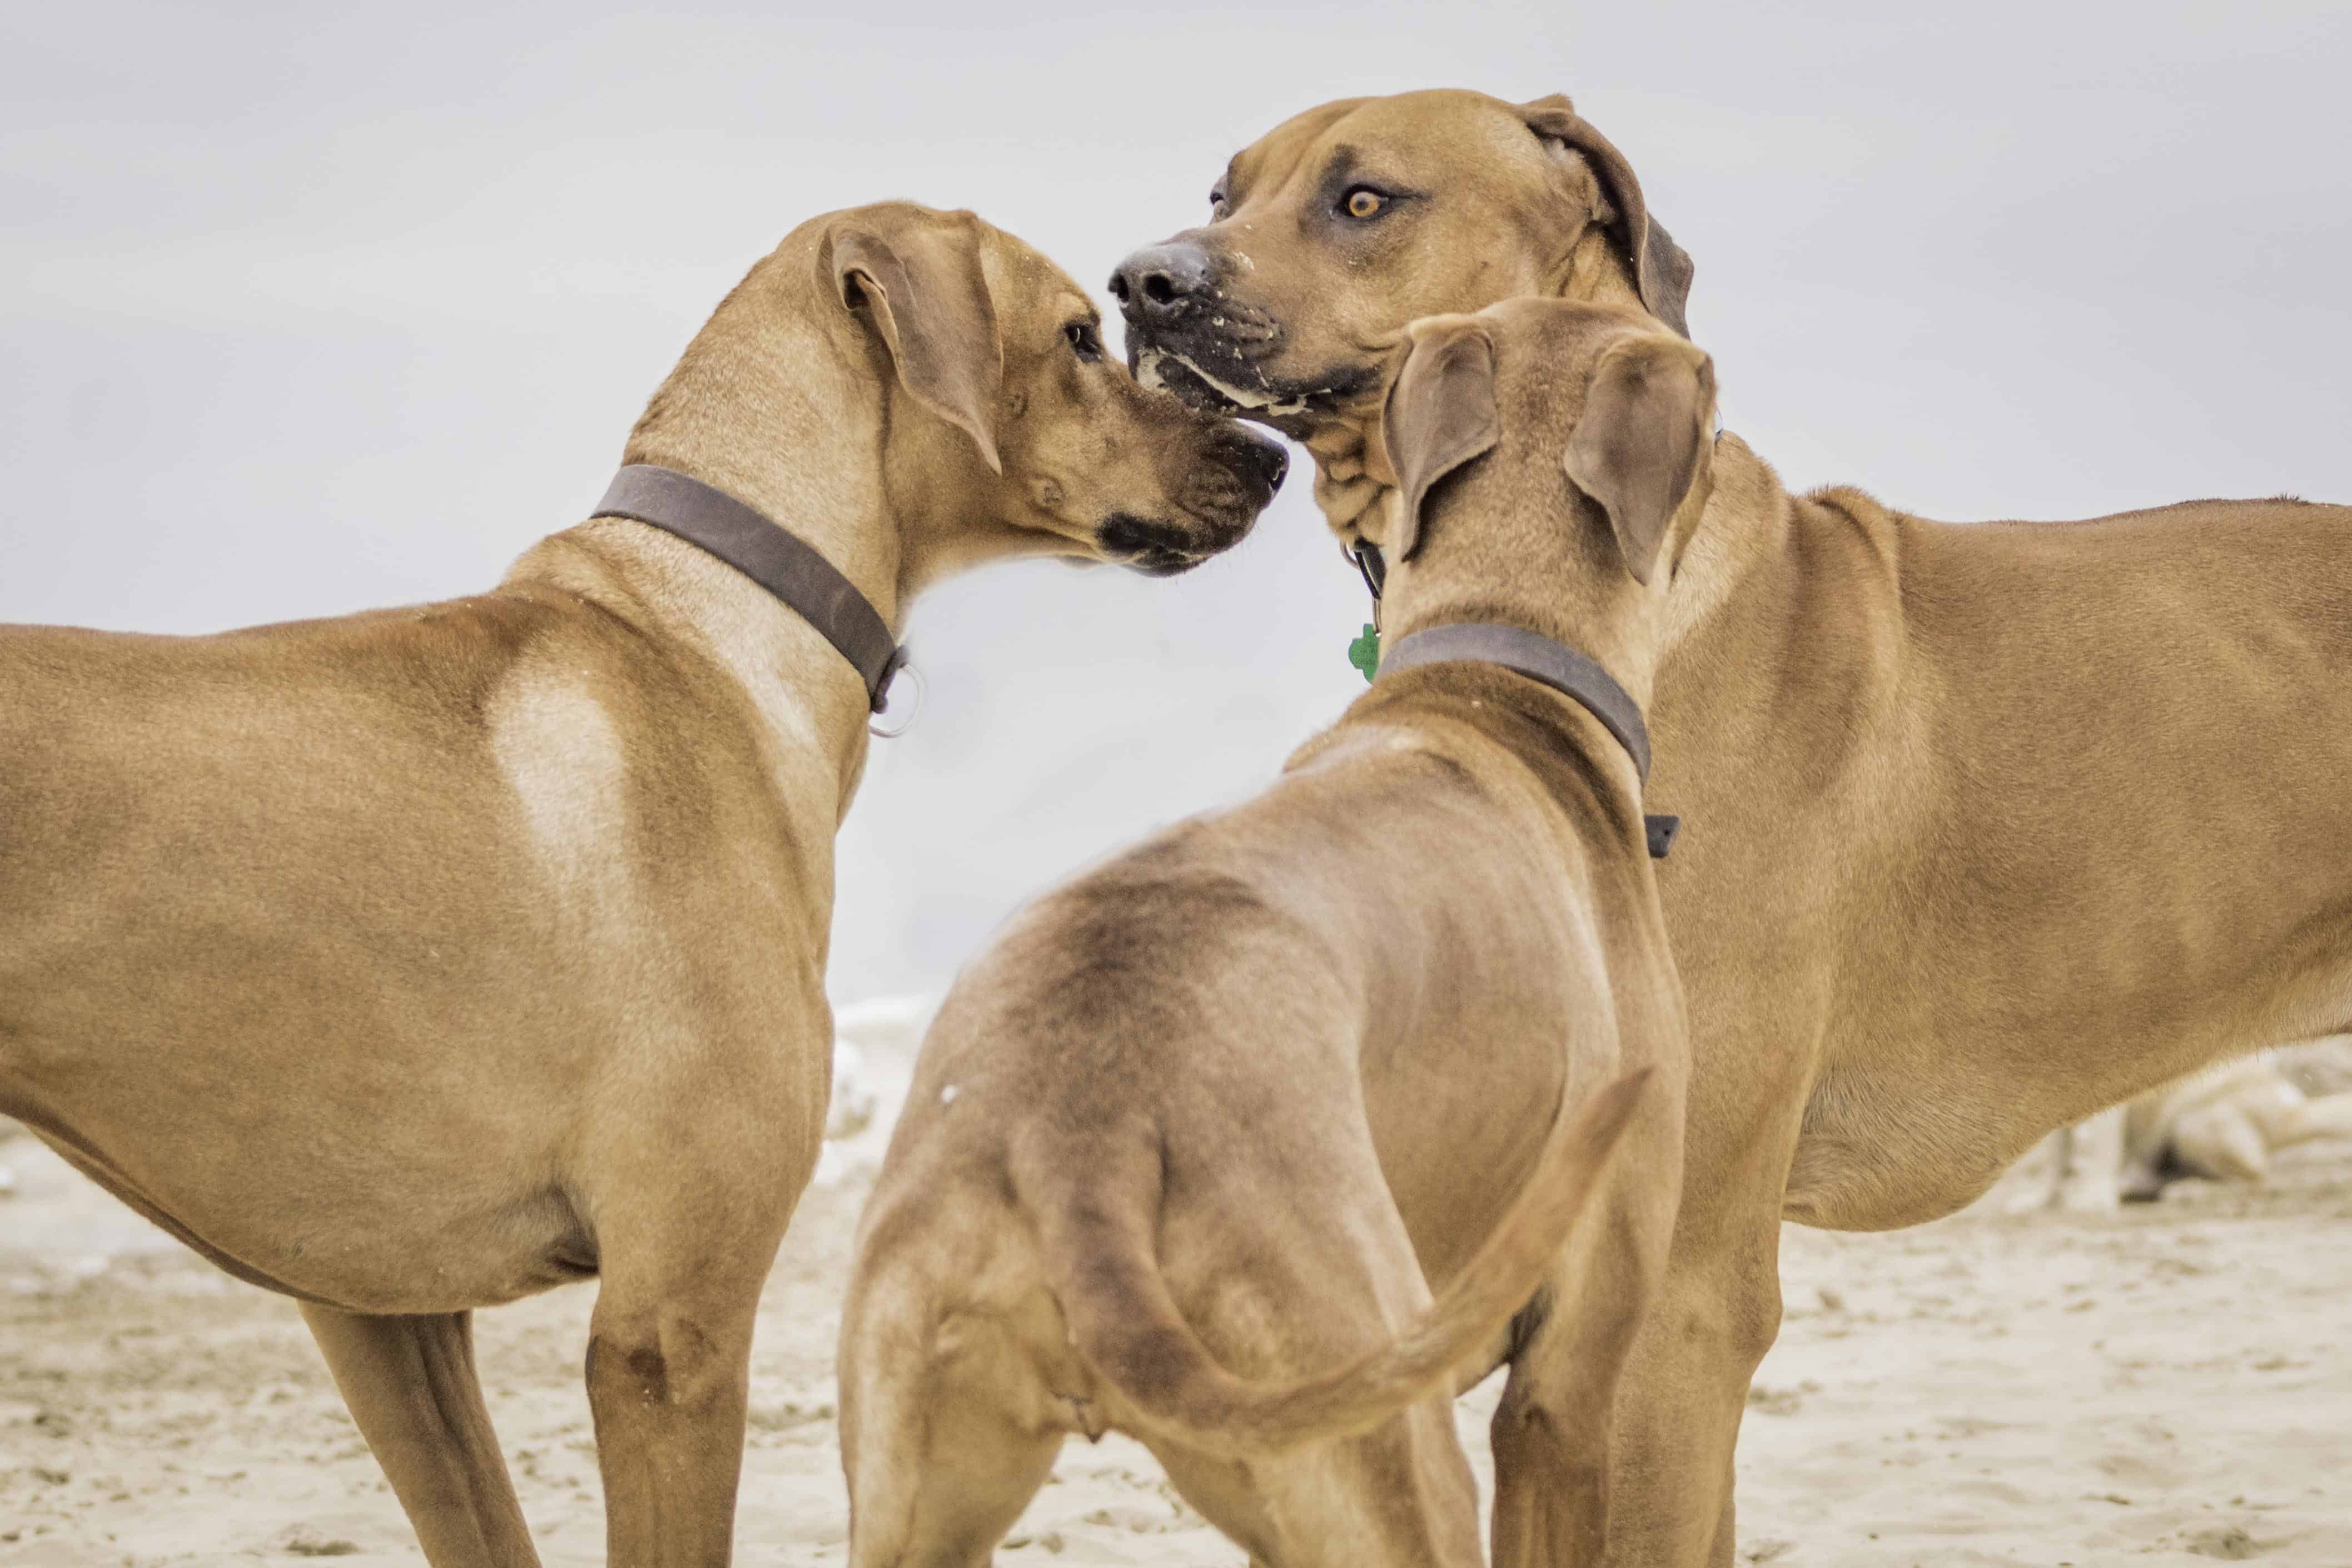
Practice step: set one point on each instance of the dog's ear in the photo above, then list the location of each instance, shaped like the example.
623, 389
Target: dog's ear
1638, 441
1661, 270
1439, 414
916, 276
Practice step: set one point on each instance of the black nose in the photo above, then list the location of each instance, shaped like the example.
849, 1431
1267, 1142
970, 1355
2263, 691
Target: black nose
1263, 456
1161, 282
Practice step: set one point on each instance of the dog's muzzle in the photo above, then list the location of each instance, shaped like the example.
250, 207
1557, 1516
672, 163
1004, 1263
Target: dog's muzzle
1188, 335
1221, 500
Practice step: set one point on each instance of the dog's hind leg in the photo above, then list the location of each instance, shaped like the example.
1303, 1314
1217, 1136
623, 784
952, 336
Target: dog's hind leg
412, 1389
1273, 1302
947, 1428
949, 1485
1400, 1496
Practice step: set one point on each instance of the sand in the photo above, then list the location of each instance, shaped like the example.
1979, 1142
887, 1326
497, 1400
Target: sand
2169, 1386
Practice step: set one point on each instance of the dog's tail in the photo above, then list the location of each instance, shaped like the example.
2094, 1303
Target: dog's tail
1101, 1263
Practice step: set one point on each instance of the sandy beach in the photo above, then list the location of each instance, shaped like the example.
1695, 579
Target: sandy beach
2171, 1385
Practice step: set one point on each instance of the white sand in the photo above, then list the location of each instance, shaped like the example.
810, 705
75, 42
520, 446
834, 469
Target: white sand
2164, 1387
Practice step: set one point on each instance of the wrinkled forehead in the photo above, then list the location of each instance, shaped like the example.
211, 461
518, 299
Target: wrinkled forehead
1563, 333
1547, 352
1025, 287
1288, 145
1407, 134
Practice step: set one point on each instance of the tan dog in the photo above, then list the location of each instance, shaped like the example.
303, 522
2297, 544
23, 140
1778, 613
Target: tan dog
1986, 827
1339, 227
415, 961
1186, 1154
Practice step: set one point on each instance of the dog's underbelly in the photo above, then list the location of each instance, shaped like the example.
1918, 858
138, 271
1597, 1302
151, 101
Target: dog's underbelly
1885, 1144
1915, 1112
1870, 1159
299, 1116
289, 1221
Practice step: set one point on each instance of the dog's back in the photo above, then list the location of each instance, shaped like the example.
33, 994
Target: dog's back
1175, 1100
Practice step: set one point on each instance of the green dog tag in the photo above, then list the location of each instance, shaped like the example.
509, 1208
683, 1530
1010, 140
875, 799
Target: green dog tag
1364, 653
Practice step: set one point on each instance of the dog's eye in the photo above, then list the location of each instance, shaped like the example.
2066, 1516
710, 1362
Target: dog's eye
1085, 341
1362, 202
1217, 207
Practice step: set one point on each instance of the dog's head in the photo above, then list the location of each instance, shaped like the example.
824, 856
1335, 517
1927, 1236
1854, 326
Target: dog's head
1334, 230
1543, 414
1007, 411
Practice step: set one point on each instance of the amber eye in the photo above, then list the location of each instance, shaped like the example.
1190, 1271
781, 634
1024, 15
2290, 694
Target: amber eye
1363, 202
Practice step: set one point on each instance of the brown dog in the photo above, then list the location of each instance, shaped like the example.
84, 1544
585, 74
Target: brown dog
1186, 1154
1339, 227
415, 961
1986, 826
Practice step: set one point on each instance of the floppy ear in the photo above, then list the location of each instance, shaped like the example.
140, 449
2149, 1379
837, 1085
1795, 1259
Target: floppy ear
1661, 270
1636, 445
1439, 414
918, 277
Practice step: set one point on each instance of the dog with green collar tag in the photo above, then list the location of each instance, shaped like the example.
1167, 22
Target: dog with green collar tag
1231, 1035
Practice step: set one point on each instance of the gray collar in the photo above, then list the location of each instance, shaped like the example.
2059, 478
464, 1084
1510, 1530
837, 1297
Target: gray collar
1563, 669
761, 548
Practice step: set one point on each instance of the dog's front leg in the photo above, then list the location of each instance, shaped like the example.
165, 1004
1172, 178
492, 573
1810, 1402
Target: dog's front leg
1678, 1407
1550, 1438
669, 1368
1551, 1435
412, 1389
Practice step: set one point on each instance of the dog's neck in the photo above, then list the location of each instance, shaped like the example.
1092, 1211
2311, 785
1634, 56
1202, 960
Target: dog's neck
1744, 530
1549, 582
779, 403
1547, 578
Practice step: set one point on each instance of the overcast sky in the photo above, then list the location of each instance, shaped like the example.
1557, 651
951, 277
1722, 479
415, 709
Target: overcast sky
307, 308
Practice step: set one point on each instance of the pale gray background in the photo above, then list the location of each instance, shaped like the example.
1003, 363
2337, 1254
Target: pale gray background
305, 309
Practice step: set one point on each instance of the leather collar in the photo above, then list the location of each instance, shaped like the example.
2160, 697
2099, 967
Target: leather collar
763, 550
1572, 674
